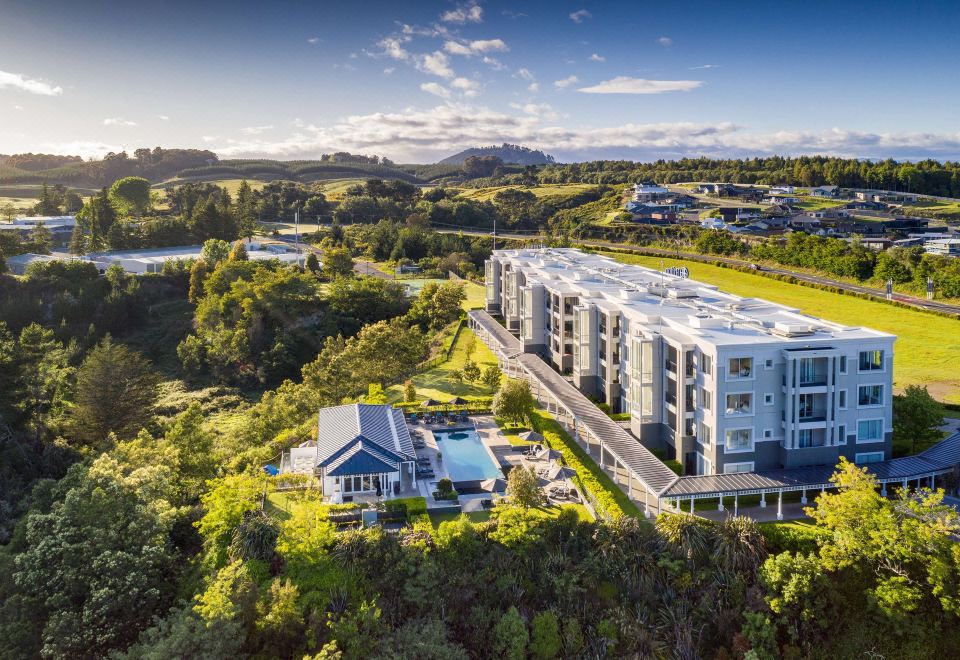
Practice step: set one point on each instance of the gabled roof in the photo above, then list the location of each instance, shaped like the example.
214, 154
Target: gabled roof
382, 426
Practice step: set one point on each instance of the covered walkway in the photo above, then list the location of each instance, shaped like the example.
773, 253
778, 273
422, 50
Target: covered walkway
646, 479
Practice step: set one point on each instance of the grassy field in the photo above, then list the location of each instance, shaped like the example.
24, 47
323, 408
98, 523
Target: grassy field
438, 383
486, 194
927, 345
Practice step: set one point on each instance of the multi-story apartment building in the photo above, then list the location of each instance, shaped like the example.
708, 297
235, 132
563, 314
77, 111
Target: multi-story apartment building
719, 382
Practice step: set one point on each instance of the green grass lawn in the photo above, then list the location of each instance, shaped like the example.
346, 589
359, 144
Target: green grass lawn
927, 345
437, 383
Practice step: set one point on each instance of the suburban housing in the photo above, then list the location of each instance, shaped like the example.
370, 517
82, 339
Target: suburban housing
721, 383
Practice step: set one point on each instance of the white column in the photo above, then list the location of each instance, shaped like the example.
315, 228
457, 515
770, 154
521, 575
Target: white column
780, 506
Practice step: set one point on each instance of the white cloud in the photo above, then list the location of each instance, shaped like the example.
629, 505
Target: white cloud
628, 85
566, 82
665, 41
163, 117
118, 121
597, 58
436, 89
463, 14
705, 66
580, 15
436, 63
393, 48
31, 85
475, 47
313, 41
423, 134
256, 130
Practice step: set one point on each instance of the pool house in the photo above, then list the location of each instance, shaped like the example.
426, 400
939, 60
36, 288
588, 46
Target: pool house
361, 450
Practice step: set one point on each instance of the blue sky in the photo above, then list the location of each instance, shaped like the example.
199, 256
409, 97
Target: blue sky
418, 81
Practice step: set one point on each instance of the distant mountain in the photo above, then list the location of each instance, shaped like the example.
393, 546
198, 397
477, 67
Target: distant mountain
508, 153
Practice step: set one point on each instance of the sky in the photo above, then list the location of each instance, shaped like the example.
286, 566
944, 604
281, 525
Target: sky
417, 81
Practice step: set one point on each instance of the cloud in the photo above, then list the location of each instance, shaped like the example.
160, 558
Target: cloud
31, 85
436, 89
566, 82
313, 41
580, 15
256, 130
705, 66
665, 41
463, 14
435, 63
424, 134
628, 85
476, 47
597, 58
118, 121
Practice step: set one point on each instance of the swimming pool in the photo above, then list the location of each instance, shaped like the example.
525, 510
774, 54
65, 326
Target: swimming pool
465, 457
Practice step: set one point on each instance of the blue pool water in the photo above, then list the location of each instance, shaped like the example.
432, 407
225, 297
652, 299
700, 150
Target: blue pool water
465, 457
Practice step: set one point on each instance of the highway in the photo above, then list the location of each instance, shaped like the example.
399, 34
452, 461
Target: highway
920, 303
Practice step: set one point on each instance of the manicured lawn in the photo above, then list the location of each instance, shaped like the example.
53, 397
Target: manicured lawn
927, 345
437, 383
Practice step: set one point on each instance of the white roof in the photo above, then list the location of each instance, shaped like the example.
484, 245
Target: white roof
685, 309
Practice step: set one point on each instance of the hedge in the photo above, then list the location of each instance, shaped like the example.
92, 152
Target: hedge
606, 497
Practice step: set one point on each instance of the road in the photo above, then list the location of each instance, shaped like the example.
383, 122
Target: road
920, 303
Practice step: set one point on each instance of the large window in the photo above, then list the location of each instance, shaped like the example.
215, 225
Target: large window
733, 468
871, 360
740, 403
739, 439
868, 457
870, 395
870, 430
741, 368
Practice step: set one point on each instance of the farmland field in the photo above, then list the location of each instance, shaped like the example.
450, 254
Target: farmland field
927, 345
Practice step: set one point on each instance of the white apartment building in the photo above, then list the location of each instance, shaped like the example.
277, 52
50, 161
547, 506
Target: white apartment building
720, 382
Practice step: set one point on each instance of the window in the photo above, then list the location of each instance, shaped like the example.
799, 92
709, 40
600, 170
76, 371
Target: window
733, 468
843, 364
704, 434
842, 399
768, 399
739, 439
740, 403
868, 457
870, 430
870, 395
706, 364
767, 433
871, 360
741, 368
706, 399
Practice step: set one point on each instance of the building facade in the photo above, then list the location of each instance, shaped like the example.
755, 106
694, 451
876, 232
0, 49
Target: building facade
719, 382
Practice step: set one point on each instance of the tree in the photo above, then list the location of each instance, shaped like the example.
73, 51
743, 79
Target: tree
523, 488
215, 251
409, 392
471, 371
115, 393
513, 401
337, 262
131, 195
917, 417
509, 638
492, 376
545, 642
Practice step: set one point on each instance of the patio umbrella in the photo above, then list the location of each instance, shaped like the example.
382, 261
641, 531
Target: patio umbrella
458, 401
494, 485
561, 472
429, 403
531, 436
549, 455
